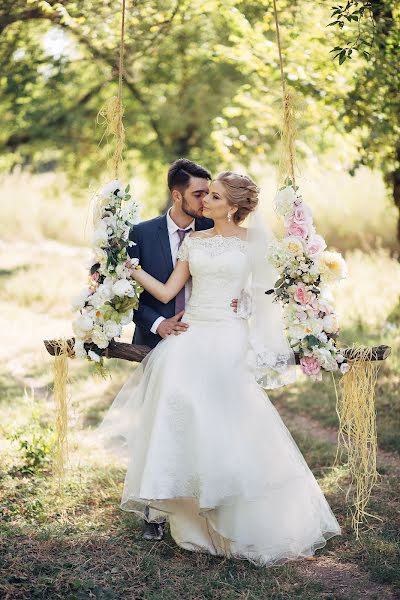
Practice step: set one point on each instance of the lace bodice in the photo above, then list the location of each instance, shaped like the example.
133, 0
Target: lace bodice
219, 269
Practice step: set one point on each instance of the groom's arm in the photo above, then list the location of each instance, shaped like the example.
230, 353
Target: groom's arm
145, 317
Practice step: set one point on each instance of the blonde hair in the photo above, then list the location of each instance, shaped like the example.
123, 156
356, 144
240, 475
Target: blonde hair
241, 192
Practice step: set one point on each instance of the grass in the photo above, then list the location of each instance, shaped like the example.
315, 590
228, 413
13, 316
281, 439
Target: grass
79, 544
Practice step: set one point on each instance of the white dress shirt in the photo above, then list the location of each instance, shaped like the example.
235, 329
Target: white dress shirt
174, 243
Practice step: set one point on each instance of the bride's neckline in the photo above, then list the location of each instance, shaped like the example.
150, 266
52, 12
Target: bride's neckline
219, 235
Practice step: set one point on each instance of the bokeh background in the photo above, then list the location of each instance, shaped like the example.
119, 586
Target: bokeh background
201, 80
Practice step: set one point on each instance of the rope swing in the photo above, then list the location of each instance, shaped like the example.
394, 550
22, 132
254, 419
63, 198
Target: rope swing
111, 115
356, 407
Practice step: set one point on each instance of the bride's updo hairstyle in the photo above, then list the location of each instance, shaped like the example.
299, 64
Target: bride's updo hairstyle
241, 191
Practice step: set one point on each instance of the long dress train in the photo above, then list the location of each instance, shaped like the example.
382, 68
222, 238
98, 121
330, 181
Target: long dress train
205, 445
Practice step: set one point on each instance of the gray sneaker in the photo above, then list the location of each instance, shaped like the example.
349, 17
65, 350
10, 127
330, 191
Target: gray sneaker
153, 531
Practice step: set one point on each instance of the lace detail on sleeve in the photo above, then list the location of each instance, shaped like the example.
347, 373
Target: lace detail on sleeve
244, 304
183, 252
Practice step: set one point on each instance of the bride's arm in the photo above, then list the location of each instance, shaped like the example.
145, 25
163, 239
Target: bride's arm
164, 291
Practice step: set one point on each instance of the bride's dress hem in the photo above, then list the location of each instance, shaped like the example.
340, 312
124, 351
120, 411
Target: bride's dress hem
222, 548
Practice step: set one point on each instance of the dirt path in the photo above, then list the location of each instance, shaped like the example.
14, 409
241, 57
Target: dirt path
343, 578
307, 425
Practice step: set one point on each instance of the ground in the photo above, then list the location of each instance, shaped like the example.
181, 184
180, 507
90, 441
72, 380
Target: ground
74, 542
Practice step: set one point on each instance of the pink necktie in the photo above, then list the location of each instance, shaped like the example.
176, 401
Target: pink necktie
180, 297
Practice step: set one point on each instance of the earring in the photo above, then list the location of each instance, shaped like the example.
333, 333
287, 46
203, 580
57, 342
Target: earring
229, 217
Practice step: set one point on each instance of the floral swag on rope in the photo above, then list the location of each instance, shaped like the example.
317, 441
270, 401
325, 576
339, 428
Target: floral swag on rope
307, 272
107, 303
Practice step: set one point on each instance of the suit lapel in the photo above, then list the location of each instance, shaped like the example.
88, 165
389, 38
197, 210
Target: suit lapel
164, 242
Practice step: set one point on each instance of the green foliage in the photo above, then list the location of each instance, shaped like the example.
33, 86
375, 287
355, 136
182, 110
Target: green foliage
201, 80
373, 104
35, 443
362, 14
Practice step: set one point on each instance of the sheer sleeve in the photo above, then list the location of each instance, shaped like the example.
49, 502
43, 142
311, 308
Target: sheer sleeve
183, 252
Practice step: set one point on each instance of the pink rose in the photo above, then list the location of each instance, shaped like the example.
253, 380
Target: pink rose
315, 245
299, 229
310, 366
302, 215
302, 295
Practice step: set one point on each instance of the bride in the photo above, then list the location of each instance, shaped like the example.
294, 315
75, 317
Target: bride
205, 445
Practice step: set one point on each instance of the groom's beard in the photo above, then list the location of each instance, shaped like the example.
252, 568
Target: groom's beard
190, 211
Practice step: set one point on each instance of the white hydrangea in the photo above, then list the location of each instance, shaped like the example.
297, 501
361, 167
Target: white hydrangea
284, 201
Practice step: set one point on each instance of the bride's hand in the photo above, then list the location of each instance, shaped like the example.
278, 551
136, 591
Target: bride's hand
132, 264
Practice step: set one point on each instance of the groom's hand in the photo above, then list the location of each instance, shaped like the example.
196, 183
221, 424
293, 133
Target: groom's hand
172, 326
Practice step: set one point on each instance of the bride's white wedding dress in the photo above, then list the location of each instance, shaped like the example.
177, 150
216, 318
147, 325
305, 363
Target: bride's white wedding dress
205, 445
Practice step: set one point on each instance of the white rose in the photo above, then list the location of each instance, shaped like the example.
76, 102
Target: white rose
110, 188
123, 288
100, 235
344, 367
78, 302
112, 329
100, 255
122, 271
94, 356
330, 323
99, 337
101, 295
284, 201
127, 317
82, 326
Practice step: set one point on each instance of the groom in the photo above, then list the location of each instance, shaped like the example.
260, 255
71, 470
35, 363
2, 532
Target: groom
157, 242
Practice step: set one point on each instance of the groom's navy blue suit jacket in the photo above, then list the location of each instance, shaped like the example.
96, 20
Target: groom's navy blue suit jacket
154, 253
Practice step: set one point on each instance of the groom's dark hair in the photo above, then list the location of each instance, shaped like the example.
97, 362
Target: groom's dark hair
181, 171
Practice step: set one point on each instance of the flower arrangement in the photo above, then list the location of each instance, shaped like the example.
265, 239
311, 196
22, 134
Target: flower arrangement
307, 272
108, 301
